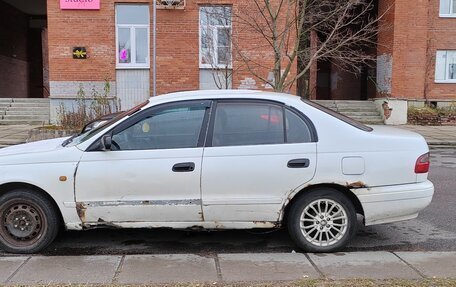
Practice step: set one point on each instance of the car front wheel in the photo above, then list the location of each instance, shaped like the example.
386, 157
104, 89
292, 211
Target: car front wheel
28, 222
322, 220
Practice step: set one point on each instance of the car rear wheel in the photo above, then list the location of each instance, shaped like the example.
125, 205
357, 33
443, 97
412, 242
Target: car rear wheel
28, 222
322, 220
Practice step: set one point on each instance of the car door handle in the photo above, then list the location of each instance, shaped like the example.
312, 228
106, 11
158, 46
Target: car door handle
184, 167
299, 163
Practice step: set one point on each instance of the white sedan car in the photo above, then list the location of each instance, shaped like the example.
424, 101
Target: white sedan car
216, 160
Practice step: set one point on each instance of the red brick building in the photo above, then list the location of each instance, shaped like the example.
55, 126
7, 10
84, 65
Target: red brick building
416, 53
416, 57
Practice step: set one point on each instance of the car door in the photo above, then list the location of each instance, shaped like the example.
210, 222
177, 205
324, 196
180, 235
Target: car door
152, 172
256, 154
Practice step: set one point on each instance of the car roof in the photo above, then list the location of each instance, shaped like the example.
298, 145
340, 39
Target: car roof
218, 94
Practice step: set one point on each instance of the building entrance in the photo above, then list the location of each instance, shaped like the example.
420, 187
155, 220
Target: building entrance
23, 49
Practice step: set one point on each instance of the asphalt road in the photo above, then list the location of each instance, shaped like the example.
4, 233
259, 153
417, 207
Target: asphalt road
433, 230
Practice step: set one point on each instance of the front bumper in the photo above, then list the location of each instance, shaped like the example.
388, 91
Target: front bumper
394, 203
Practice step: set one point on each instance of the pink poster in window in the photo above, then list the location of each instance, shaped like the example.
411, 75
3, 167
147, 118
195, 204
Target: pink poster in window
80, 4
123, 55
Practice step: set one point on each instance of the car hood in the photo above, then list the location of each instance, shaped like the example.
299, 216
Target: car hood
34, 147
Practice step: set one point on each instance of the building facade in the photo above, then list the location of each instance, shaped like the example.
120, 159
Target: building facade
416, 57
58, 48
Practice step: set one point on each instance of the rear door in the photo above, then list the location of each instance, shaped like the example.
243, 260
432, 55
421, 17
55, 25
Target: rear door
256, 153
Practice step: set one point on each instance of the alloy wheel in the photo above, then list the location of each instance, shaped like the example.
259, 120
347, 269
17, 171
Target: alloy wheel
323, 222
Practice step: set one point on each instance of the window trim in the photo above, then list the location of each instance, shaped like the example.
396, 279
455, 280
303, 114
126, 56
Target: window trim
307, 121
215, 37
280, 105
447, 67
134, 119
132, 27
451, 14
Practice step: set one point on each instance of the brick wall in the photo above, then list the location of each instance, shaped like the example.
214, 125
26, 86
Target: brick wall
417, 32
410, 49
13, 52
442, 36
73, 28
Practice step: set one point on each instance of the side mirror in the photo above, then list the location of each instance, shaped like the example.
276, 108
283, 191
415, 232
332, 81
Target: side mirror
106, 142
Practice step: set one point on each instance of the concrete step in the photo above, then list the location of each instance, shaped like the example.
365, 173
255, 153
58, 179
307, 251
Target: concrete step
357, 109
355, 106
16, 122
28, 112
30, 105
20, 111
363, 113
25, 118
368, 120
330, 106
30, 100
344, 102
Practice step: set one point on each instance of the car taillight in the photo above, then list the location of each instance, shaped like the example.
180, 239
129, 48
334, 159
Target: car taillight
422, 164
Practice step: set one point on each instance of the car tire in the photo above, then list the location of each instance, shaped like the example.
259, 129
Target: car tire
322, 220
28, 221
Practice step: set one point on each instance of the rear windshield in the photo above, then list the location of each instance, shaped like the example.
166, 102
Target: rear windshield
341, 117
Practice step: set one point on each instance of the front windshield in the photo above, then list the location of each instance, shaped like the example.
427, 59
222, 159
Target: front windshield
91, 133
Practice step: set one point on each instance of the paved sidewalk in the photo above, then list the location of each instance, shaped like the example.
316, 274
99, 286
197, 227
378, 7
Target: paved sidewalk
257, 267
435, 135
14, 134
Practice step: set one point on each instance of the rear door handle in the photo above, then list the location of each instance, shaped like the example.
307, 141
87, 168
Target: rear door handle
299, 163
184, 167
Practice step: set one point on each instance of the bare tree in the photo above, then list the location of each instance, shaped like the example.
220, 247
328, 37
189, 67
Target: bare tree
342, 32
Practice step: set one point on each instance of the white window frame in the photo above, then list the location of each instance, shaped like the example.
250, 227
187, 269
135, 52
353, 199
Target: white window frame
214, 30
452, 13
446, 66
132, 27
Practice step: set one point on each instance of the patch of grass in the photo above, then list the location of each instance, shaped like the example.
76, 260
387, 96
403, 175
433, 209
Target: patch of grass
301, 283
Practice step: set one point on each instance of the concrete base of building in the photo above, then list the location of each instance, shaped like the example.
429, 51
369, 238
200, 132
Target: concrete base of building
393, 111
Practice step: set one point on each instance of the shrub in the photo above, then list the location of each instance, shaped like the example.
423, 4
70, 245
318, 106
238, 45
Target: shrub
432, 116
87, 109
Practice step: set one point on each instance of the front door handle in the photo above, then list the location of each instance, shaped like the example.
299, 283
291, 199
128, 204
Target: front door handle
299, 163
184, 167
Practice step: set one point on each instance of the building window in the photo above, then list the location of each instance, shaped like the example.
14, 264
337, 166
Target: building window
447, 8
132, 36
215, 37
445, 67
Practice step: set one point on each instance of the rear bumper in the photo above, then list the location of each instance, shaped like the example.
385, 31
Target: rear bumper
394, 203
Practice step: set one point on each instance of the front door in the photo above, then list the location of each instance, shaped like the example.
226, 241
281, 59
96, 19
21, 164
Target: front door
257, 154
152, 172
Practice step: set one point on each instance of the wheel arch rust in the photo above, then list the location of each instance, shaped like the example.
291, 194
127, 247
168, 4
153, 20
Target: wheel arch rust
7, 187
345, 190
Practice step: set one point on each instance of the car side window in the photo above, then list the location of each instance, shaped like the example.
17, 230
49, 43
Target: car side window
248, 124
297, 129
167, 128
